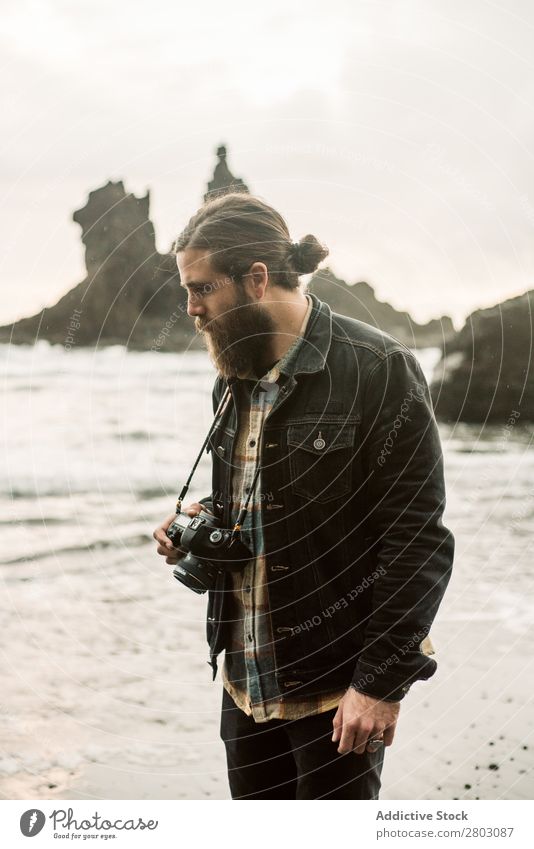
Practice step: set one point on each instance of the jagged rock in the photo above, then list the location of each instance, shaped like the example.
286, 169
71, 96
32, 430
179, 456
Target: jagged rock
359, 301
486, 373
131, 294
223, 179
130, 290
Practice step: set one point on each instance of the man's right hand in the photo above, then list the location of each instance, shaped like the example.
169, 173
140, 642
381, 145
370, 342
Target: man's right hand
165, 546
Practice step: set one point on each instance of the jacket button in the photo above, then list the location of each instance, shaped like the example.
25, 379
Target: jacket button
221, 451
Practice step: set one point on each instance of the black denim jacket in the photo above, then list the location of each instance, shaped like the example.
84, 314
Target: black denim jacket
357, 556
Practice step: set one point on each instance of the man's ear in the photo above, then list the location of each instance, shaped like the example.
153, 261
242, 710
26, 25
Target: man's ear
256, 280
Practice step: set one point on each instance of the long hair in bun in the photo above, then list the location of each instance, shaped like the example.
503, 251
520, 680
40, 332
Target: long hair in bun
306, 255
238, 229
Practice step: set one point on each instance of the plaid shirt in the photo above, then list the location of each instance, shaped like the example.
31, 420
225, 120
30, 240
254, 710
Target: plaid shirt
249, 665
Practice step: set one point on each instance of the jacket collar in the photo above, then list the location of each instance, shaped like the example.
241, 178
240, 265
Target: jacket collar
310, 356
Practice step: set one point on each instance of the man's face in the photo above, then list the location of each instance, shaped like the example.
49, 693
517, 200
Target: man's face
238, 330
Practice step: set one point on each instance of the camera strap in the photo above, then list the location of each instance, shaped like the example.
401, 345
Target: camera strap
218, 414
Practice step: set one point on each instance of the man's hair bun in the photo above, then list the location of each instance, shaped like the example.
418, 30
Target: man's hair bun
306, 254
237, 229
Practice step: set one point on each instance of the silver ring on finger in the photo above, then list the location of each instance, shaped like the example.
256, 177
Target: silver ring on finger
374, 744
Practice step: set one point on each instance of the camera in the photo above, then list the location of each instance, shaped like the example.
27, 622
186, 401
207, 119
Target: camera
210, 550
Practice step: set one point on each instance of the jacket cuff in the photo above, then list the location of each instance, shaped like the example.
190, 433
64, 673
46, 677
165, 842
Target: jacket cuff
381, 681
391, 696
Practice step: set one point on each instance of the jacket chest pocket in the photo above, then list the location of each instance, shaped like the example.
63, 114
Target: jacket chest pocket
320, 458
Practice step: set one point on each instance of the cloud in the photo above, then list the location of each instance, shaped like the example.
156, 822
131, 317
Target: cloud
399, 133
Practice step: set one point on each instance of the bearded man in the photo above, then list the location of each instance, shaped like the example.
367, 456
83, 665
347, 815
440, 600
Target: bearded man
326, 627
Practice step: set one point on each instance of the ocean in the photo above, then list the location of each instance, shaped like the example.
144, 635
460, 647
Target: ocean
100, 643
97, 444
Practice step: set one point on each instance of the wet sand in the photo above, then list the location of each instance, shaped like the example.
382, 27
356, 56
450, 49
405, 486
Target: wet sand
107, 693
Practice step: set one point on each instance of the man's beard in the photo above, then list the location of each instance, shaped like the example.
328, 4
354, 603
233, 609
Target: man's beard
240, 340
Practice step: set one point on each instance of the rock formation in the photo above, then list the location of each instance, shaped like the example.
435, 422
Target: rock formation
130, 290
359, 301
486, 373
223, 179
131, 293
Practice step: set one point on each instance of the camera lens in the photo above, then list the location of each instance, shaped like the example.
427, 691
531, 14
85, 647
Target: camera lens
196, 576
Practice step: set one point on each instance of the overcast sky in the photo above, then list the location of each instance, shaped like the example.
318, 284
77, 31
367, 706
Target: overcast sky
398, 132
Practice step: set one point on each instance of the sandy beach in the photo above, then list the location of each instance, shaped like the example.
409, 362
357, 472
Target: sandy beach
107, 693
113, 699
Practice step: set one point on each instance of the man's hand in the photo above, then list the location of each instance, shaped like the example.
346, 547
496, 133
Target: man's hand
360, 717
165, 546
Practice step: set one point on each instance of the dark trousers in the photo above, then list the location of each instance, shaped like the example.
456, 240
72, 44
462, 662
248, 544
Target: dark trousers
293, 759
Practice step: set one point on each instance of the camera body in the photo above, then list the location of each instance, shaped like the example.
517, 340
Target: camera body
210, 550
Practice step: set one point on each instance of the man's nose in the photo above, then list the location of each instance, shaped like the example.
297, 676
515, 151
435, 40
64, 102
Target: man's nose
195, 306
